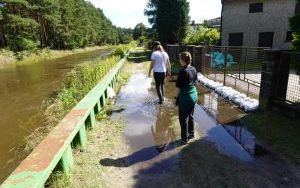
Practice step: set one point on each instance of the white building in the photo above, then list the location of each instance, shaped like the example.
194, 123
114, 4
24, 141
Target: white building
257, 23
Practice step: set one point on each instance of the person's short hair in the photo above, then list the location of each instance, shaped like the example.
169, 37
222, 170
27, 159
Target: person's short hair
186, 57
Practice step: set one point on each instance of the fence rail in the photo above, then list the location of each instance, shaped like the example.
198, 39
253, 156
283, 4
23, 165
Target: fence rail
56, 149
237, 67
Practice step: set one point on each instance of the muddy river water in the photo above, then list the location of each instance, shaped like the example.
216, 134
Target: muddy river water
22, 91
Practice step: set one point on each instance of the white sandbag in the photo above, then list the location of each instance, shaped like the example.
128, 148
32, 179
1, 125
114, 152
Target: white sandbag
229, 93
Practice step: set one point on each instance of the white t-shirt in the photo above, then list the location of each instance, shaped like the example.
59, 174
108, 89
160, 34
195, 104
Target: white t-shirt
160, 61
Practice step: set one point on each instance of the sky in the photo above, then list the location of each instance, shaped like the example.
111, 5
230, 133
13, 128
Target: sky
127, 13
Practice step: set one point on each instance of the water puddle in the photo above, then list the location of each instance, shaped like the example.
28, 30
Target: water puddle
227, 115
152, 131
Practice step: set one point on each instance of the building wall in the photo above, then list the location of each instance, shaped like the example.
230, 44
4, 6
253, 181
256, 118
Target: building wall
274, 18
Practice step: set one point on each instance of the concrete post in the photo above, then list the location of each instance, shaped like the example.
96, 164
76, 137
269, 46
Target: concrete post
80, 138
197, 57
91, 120
98, 107
67, 161
102, 101
274, 77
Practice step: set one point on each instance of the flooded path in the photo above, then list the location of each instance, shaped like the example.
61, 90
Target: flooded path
145, 152
22, 91
152, 133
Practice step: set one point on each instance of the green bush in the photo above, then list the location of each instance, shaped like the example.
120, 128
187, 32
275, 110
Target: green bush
203, 35
23, 44
121, 50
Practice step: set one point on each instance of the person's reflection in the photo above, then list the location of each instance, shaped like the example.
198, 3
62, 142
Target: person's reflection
163, 134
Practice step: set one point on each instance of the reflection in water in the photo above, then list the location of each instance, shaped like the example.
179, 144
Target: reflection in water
226, 113
243, 136
163, 134
22, 91
148, 124
222, 110
150, 128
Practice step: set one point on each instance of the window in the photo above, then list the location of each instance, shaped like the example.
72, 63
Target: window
289, 36
256, 7
266, 39
236, 39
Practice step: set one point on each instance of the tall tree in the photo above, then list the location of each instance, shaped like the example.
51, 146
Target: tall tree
139, 30
58, 24
169, 18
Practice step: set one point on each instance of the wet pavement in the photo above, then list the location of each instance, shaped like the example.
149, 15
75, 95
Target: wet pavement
152, 131
153, 157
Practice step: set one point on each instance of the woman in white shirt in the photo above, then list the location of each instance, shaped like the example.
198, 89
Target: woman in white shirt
160, 64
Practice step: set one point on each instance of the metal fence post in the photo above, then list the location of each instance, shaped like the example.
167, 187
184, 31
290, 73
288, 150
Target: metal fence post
225, 65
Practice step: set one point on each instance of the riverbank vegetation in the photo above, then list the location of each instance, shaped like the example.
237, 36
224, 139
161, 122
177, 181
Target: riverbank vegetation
75, 86
24, 57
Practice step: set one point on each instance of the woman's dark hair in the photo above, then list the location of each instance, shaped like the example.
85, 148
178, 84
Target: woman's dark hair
186, 57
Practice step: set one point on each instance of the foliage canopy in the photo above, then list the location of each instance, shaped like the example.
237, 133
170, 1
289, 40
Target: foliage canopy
169, 18
67, 24
203, 35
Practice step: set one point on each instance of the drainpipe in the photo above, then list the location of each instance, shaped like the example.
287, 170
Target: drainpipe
221, 29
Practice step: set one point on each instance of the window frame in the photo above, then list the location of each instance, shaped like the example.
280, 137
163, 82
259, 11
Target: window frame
256, 8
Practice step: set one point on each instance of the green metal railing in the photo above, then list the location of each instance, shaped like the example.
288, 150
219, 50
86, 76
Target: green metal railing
56, 149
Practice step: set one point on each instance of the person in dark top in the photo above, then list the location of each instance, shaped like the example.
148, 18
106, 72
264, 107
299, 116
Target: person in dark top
187, 96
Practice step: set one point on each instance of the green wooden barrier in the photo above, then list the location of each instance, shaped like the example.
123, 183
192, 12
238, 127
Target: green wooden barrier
56, 149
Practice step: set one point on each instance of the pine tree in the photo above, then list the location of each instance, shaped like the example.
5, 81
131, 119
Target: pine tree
170, 19
57, 24
295, 27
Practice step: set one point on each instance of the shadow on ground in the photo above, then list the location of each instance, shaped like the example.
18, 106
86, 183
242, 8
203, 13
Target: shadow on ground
140, 156
200, 164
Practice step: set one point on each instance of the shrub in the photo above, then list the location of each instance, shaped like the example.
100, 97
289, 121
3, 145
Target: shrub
203, 35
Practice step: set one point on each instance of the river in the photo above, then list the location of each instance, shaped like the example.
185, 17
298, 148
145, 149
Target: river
23, 88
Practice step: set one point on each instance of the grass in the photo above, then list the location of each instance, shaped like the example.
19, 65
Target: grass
46, 54
7, 57
75, 86
203, 166
276, 130
102, 140
28, 57
87, 171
